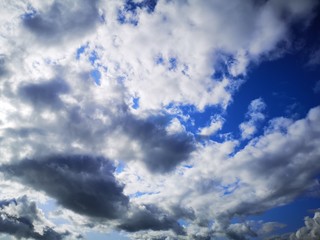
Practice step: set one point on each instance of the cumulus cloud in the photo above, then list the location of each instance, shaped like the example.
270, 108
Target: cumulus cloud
22, 219
214, 126
254, 115
270, 171
55, 119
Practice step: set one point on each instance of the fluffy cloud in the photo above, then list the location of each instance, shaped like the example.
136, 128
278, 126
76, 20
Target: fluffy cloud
215, 125
255, 116
22, 219
55, 118
270, 171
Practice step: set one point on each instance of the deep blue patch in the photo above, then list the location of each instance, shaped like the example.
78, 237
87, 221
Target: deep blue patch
172, 64
159, 60
221, 65
135, 103
148, 5
182, 222
188, 166
131, 7
291, 214
96, 75
80, 51
285, 84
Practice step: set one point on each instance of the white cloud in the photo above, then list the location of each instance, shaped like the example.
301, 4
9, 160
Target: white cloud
254, 115
214, 126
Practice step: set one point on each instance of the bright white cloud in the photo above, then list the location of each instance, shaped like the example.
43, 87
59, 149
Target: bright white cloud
215, 125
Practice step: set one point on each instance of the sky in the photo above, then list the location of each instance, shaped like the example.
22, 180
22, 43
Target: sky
160, 119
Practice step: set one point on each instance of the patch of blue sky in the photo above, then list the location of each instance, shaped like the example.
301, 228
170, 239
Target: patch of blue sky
128, 13
124, 18
284, 85
159, 60
182, 222
120, 167
31, 13
222, 64
140, 194
96, 75
135, 104
291, 214
80, 51
188, 166
148, 5
173, 62
199, 119
49, 207
93, 57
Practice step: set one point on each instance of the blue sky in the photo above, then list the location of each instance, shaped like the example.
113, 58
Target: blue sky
156, 119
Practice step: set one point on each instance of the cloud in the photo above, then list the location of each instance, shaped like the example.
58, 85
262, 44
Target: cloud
84, 184
62, 20
150, 217
255, 116
161, 152
271, 170
20, 218
44, 94
215, 125
172, 56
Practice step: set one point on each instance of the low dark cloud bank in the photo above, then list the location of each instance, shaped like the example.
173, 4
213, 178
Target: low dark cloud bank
83, 184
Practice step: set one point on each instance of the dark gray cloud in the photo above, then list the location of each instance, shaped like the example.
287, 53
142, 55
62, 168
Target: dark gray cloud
162, 152
63, 19
150, 217
159, 151
83, 184
240, 232
44, 94
20, 222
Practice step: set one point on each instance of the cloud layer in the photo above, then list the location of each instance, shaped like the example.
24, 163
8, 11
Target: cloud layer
101, 114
